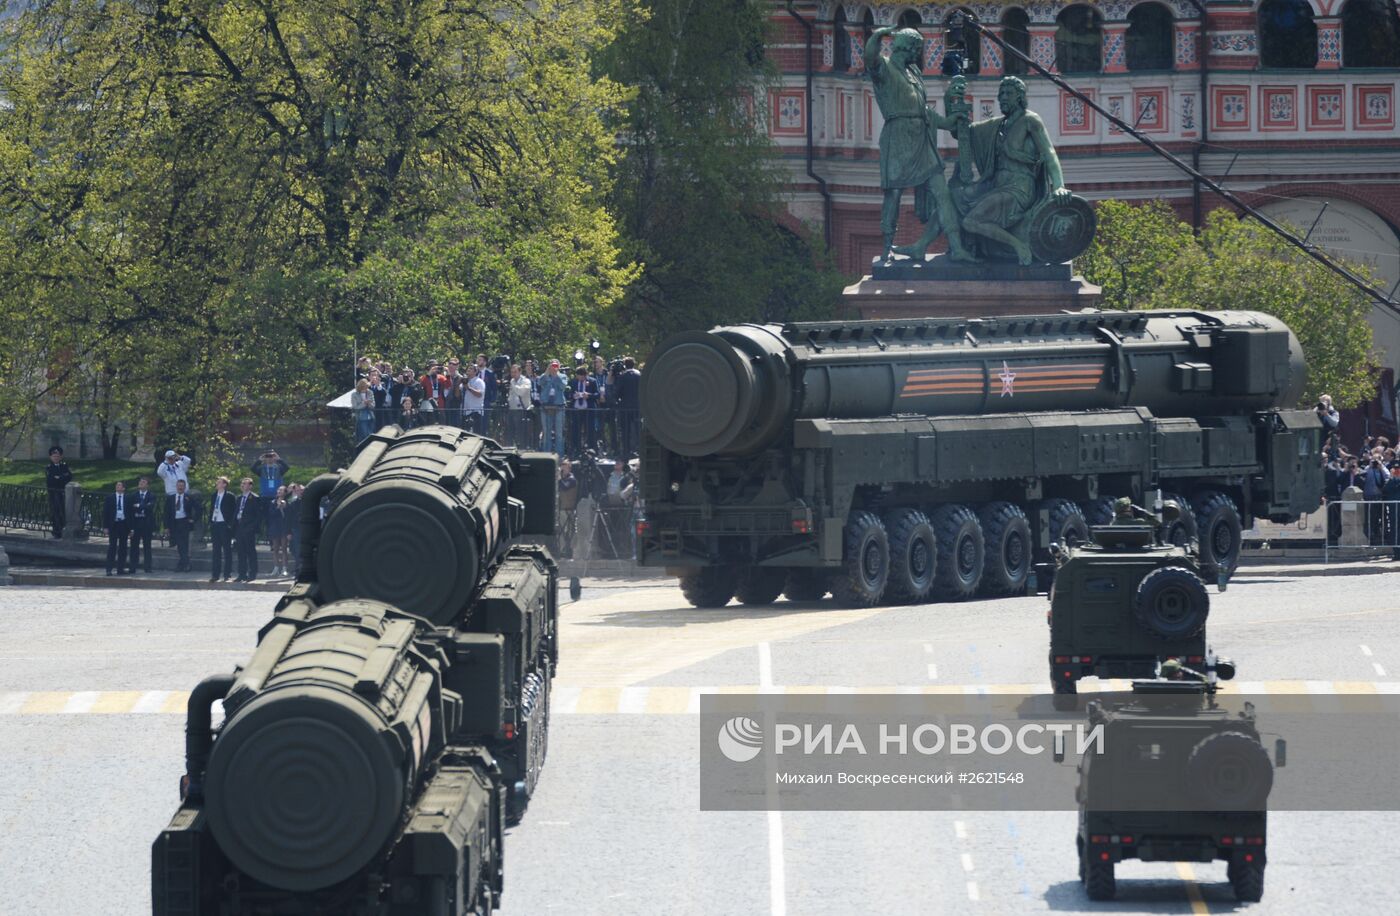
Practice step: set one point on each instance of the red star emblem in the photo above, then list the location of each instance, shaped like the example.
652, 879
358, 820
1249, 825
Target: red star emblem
1008, 379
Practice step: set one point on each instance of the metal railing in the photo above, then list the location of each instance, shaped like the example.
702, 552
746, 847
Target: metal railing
613, 534
1361, 527
569, 431
25, 508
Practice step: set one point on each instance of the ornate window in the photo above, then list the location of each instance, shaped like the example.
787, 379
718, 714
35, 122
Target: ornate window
1150, 37
972, 41
1016, 32
1287, 34
842, 58
910, 19
1079, 40
1370, 34
867, 25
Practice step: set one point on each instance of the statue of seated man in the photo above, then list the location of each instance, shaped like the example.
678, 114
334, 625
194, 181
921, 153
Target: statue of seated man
1017, 165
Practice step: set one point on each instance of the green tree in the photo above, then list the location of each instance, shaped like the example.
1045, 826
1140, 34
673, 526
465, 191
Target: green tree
698, 182
1144, 257
205, 202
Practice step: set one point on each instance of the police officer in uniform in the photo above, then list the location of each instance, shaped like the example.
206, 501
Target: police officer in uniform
56, 477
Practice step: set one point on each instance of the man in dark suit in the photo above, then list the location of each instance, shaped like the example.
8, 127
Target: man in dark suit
246, 519
222, 508
116, 518
143, 522
181, 509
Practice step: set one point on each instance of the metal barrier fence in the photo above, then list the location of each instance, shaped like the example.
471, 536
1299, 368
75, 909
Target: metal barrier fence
564, 430
1361, 527
26, 508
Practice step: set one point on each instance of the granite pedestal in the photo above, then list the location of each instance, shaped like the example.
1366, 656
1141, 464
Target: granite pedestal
907, 288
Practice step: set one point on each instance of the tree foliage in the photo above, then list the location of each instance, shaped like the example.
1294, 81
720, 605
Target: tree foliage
1144, 257
698, 183
205, 202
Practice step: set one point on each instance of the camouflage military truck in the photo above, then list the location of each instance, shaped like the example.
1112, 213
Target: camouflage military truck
1180, 779
904, 460
393, 718
1124, 602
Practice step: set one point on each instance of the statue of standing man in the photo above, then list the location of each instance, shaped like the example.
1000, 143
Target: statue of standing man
909, 145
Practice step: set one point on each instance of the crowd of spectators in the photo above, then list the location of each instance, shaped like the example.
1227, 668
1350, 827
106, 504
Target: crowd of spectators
592, 408
1373, 468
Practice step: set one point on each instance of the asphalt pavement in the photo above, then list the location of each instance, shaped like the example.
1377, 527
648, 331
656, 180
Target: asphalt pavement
93, 683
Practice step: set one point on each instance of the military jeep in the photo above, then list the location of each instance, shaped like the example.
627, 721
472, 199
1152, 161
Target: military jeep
1120, 604
1179, 780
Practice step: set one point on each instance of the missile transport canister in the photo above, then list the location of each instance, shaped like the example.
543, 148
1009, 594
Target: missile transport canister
392, 720
903, 460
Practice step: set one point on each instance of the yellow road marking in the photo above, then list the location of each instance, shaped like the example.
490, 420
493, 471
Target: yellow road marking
115, 701
673, 700
1187, 873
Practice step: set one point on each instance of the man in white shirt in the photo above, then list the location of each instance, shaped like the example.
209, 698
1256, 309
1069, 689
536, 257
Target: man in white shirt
174, 467
473, 401
519, 399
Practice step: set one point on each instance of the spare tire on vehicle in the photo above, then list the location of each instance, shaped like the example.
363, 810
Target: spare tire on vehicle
1229, 771
1171, 603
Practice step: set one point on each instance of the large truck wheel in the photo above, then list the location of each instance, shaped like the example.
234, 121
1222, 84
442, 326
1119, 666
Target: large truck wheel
709, 586
1098, 511
1229, 771
1064, 693
1218, 529
1171, 603
913, 555
1182, 531
1006, 537
1066, 520
961, 551
1098, 878
866, 568
1247, 880
760, 585
806, 583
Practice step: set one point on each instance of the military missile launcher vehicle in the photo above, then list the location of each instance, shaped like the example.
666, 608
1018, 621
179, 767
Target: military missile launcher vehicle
1122, 603
393, 718
1180, 779
904, 460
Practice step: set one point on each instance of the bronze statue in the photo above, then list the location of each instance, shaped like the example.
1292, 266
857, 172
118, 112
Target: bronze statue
1019, 169
909, 145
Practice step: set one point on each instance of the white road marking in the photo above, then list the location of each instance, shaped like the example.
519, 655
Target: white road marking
967, 861
565, 700
928, 647
1380, 672
632, 700
1319, 687
932, 671
151, 701
777, 880
972, 893
81, 701
960, 829
777, 884
1366, 651
11, 703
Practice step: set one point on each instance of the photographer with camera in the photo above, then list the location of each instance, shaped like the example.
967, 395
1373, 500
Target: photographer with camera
1328, 415
270, 469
